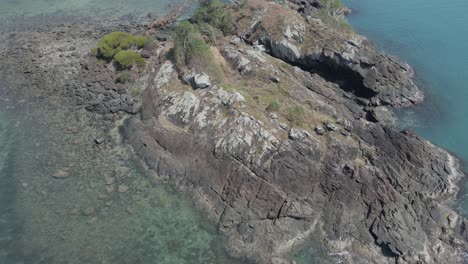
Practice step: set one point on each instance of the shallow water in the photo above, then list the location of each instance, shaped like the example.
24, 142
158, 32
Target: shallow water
431, 35
28, 8
85, 218
90, 216
30, 14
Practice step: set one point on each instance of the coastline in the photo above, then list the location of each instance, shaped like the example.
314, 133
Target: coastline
178, 175
431, 110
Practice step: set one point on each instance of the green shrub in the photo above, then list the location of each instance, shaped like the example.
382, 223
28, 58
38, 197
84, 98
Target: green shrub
273, 107
191, 50
140, 41
114, 42
295, 115
123, 77
128, 58
217, 14
228, 87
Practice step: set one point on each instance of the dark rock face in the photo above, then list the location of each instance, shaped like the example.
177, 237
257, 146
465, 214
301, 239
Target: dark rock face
377, 193
339, 56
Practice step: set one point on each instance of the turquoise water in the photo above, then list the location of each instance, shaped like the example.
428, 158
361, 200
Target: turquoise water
87, 218
432, 36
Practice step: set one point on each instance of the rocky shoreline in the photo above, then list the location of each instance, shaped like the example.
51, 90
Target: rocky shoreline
372, 193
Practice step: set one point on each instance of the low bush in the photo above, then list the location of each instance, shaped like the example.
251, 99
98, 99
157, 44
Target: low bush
124, 77
295, 115
114, 42
140, 41
128, 58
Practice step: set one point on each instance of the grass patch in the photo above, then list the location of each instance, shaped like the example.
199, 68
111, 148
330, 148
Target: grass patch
274, 106
295, 115
229, 87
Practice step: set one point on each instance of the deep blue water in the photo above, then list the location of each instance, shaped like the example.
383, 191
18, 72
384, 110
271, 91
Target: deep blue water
432, 36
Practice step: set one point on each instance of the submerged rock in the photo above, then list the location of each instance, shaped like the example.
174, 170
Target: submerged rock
100, 140
61, 174
89, 211
123, 188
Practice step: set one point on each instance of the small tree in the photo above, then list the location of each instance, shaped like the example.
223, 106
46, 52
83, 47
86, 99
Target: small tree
192, 51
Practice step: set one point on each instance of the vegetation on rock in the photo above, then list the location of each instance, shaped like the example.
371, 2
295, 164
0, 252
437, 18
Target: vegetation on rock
295, 115
119, 45
273, 107
216, 14
114, 42
127, 58
192, 51
123, 77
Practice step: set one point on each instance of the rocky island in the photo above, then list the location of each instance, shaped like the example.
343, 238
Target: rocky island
276, 117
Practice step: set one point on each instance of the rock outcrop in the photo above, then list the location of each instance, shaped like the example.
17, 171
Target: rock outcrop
337, 54
376, 195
